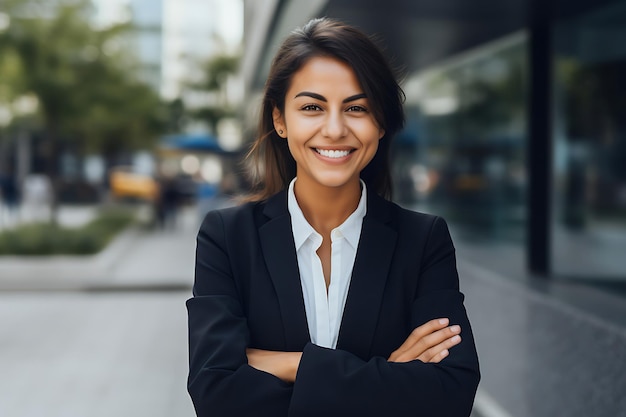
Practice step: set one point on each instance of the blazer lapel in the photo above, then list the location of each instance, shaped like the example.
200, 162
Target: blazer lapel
275, 235
369, 275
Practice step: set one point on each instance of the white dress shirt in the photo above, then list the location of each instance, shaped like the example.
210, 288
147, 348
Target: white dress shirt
325, 310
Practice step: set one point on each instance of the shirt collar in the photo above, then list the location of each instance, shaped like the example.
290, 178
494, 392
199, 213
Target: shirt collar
302, 230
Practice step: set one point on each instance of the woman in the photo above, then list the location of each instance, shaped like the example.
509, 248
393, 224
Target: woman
319, 297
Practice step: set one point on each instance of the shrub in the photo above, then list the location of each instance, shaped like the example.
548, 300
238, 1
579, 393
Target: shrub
51, 239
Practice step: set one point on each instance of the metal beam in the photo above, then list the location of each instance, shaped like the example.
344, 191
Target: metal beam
539, 150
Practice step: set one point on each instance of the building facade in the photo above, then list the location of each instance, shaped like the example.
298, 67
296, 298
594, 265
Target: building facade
515, 117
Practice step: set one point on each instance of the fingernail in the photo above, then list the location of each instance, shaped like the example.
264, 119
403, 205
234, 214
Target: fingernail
443, 321
444, 353
455, 329
456, 338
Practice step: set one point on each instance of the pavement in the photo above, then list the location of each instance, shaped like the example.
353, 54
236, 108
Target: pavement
547, 347
106, 335
102, 335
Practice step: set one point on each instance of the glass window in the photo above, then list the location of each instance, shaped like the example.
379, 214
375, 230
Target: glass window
589, 219
468, 121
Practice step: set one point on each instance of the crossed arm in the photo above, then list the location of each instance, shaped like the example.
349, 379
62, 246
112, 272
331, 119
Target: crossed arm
429, 343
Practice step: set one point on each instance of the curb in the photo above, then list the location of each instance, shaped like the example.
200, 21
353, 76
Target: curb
486, 406
65, 272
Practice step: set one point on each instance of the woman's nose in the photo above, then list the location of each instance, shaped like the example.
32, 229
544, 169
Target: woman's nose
334, 126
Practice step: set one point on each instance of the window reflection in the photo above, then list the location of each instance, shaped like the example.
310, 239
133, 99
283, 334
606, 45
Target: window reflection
463, 154
590, 138
468, 118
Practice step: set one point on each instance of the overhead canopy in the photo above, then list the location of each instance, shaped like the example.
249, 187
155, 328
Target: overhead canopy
192, 142
415, 33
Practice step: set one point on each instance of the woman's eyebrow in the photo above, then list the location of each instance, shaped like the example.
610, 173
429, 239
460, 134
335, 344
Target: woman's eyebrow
312, 95
355, 97
322, 98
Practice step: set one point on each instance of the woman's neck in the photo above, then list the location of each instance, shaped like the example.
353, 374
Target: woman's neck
325, 208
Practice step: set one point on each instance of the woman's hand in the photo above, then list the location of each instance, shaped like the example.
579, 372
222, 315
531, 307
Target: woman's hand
428, 343
283, 365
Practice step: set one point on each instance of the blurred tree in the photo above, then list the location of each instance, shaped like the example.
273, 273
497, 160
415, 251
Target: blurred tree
216, 72
218, 69
594, 106
176, 115
494, 95
81, 79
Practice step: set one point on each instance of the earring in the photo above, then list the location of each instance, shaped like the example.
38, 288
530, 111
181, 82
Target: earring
280, 132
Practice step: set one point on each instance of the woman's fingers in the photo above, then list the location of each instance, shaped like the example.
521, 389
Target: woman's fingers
432, 344
428, 343
437, 353
435, 343
420, 332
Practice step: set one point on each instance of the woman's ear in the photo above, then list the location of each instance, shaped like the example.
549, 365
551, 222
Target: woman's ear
381, 133
279, 123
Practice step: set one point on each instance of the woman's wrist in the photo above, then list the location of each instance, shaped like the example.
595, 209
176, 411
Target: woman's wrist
294, 364
283, 365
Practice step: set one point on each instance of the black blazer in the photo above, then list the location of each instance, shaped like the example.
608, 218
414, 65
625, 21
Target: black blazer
247, 293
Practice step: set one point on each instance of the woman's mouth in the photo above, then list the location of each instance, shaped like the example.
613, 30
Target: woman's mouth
333, 153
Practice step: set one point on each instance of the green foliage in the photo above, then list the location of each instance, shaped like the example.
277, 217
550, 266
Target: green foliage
52, 239
216, 72
218, 69
83, 77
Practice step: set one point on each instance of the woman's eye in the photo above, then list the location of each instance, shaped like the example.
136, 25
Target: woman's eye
311, 107
357, 108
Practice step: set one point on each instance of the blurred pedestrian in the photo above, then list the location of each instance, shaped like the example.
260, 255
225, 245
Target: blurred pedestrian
166, 203
319, 296
10, 198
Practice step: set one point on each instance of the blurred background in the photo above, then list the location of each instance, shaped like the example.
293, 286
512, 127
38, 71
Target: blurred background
123, 121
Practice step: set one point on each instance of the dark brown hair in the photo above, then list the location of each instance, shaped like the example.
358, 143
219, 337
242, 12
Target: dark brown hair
275, 167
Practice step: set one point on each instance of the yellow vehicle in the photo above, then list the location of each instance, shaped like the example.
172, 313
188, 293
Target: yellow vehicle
126, 183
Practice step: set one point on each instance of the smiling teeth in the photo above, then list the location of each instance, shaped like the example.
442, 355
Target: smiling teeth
332, 153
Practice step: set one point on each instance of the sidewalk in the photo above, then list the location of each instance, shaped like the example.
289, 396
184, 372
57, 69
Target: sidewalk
136, 259
547, 347
103, 335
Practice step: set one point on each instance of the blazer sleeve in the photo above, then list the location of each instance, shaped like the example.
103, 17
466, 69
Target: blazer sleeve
338, 383
221, 383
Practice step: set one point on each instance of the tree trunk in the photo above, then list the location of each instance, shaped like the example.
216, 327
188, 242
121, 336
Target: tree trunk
52, 168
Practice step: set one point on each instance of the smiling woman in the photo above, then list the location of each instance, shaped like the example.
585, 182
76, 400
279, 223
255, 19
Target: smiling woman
319, 296
330, 132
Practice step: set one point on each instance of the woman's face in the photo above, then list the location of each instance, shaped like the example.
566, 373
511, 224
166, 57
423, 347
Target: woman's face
327, 122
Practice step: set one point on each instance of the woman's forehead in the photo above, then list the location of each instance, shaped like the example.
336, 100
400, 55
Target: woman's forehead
325, 76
